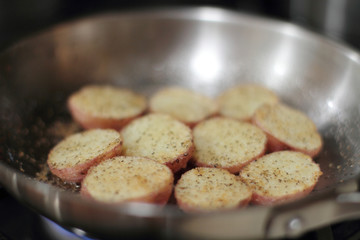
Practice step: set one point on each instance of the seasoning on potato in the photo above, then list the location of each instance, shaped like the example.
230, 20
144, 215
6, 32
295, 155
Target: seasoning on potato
288, 128
227, 143
210, 189
280, 177
159, 137
71, 158
97, 106
249, 138
183, 104
128, 179
240, 102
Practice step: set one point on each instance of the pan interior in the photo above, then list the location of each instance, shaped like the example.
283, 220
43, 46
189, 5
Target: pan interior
206, 53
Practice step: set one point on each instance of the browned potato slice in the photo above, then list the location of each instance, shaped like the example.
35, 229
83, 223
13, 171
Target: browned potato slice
288, 128
281, 176
159, 137
227, 143
209, 189
124, 179
105, 106
71, 158
183, 104
242, 101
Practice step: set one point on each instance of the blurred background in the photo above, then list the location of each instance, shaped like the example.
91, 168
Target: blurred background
337, 19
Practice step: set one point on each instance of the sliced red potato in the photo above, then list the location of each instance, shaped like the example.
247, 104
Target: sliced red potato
128, 179
227, 143
209, 189
241, 102
183, 104
71, 158
280, 177
288, 128
105, 106
159, 137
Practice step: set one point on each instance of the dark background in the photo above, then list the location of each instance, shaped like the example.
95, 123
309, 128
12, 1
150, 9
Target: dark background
338, 19
21, 18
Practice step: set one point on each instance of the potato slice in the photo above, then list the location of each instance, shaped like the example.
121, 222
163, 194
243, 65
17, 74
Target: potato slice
208, 189
159, 137
227, 143
124, 179
288, 128
71, 158
183, 104
242, 101
105, 106
280, 177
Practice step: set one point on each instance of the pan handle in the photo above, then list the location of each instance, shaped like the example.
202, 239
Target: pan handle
294, 219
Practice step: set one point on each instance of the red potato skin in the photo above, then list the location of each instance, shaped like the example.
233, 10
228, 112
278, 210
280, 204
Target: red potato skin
273, 144
270, 200
181, 161
193, 209
78, 172
160, 197
88, 122
233, 169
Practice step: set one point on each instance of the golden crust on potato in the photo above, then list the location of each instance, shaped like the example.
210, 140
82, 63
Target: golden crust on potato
71, 158
124, 179
288, 128
227, 143
209, 189
183, 104
159, 144
241, 102
281, 176
96, 106
159, 137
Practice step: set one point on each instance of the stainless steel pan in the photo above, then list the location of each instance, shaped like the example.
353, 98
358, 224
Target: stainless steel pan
205, 49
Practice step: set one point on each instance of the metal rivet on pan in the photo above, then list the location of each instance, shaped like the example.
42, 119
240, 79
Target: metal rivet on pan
294, 225
79, 232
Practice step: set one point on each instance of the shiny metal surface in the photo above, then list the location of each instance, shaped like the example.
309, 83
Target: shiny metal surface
205, 49
333, 18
